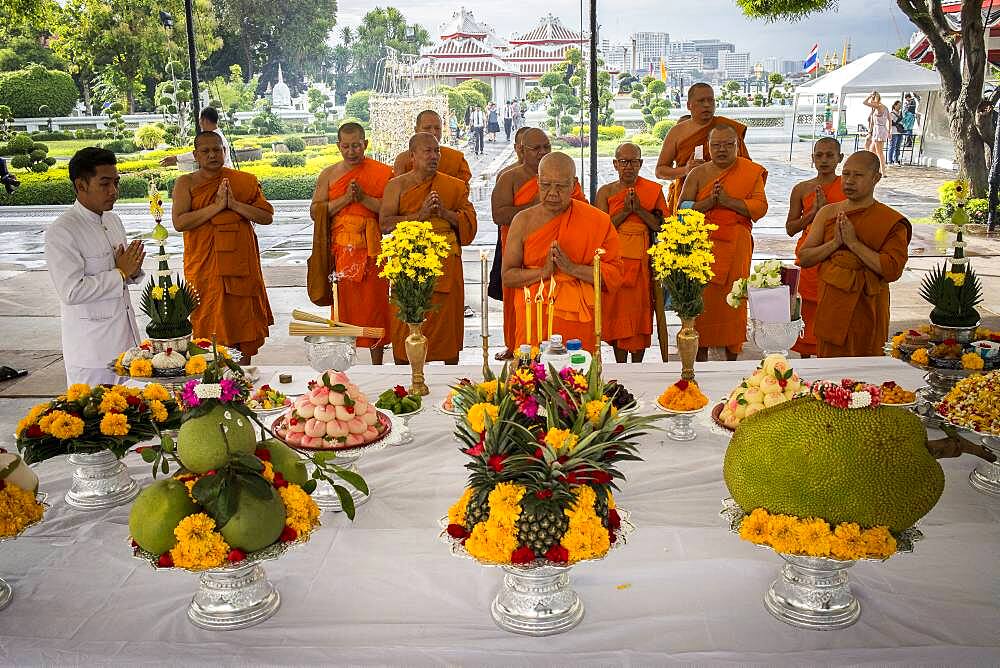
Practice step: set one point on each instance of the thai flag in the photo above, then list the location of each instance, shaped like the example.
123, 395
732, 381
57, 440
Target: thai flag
811, 64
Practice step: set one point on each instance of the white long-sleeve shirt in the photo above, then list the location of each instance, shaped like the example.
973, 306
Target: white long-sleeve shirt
98, 322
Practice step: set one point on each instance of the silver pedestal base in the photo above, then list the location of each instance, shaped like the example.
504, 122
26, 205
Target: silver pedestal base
813, 593
6, 593
233, 599
326, 497
536, 602
986, 476
679, 428
100, 481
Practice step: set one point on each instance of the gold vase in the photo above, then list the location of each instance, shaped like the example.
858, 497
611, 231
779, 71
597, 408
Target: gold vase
416, 352
687, 347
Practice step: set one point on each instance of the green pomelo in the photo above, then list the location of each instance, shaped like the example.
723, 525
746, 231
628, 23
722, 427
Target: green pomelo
257, 522
809, 459
202, 441
285, 461
157, 511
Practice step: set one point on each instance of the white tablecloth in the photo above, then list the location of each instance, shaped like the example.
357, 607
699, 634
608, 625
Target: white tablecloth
384, 590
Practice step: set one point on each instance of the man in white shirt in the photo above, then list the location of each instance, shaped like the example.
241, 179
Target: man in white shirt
208, 121
91, 269
477, 121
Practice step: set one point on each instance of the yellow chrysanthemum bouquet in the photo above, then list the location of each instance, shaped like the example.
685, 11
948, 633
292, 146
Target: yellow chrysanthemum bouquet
90, 419
682, 260
412, 260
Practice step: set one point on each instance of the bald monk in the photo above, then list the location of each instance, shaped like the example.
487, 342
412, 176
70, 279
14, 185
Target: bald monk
518, 151
636, 208
452, 161
424, 193
729, 190
216, 208
860, 246
557, 238
678, 156
807, 198
349, 193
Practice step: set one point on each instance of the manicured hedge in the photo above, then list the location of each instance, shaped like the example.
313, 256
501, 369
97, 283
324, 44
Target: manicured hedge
24, 91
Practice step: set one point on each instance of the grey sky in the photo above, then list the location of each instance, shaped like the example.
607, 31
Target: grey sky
872, 25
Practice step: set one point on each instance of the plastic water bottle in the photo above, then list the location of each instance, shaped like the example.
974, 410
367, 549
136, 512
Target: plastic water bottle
555, 354
523, 356
579, 358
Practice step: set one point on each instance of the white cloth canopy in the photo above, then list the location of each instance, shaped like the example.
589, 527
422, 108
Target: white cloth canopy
879, 71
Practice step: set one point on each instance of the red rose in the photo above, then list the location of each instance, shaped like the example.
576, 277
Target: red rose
681, 385
293, 421
263, 454
476, 450
165, 560
288, 534
399, 391
543, 494
235, 555
539, 454
614, 521
557, 554
782, 383
34, 431
457, 531
279, 480
522, 555
611, 536
265, 388
562, 459
132, 401
495, 462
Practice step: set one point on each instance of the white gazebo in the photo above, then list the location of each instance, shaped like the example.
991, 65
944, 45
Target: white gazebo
879, 71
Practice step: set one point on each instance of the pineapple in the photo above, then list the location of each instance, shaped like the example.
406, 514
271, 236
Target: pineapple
542, 523
954, 305
601, 503
478, 509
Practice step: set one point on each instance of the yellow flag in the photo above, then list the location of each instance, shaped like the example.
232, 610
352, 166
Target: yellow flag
663, 71
843, 56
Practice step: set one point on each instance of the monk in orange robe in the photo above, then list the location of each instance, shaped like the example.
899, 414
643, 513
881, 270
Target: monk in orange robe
807, 198
515, 191
729, 190
686, 145
216, 207
424, 193
350, 192
452, 161
554, 241
636, 208
860, 246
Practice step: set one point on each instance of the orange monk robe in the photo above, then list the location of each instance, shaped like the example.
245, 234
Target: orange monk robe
628, 313
513, 298
222, 262
452, 163
852, 318
808, 277
355, 242
685, 151
444, 327
580, 230
720, 325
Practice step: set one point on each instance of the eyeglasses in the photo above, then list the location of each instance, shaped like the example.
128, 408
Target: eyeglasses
629, 163
727, 144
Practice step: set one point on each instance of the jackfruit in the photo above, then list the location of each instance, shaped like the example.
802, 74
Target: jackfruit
808, 459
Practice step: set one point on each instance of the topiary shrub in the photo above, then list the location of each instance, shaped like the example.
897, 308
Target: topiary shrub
120, 146
295, 144
149, 136
28, 154
661, 128
51, 136
646, 139
288, 187
27, 90
357, 105
289, 160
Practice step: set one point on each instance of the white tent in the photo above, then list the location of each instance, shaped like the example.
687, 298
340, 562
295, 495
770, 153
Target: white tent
883, 72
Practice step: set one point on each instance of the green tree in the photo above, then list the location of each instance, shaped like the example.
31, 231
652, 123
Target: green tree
774, 79
960, 60
569, 94
484, 88
356, 60
357, 105
320, 106
25, 91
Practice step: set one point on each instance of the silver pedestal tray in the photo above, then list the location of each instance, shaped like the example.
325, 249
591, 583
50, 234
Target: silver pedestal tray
6, 590
537, 599
174, 383
679, 423
331, 352
985, 477
813, 592
100, 481
940, 381
234, 596
774, 337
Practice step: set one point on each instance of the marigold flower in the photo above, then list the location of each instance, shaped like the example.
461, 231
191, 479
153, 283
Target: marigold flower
476, 416
62, 425
199, 546
141, 368
155, 391
112, 402
301, 512
158, 411
18, 509
196, 365
77, 391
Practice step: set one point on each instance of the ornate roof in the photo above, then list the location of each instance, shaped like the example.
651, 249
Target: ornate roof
463, 22
538, 52
549, 29
468, 67
461, 46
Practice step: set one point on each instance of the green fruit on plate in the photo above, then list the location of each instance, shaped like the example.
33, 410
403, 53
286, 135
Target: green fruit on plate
202, 441
156, 512
408, 405
257, 522
285, 461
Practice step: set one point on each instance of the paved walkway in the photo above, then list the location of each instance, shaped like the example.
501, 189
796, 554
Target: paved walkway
29, 309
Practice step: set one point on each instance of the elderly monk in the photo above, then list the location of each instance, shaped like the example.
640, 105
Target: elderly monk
424, 193
518, 151
636, 208
729, 190
216, 207
860, 247
452, 161
349, 193
555, 241
807, 198
679, 154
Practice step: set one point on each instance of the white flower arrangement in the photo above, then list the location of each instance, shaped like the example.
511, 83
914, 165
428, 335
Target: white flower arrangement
860, 399
208, 390
766, 274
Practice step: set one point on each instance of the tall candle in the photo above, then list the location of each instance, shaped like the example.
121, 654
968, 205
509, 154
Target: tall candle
484, 283
552, 301
527, 314
597, 303
336, 302
539, 297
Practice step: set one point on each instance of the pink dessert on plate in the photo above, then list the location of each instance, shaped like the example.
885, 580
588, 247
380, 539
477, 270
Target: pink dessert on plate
333, 414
